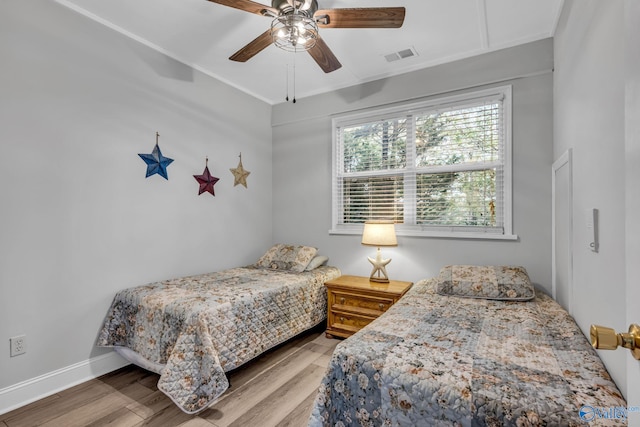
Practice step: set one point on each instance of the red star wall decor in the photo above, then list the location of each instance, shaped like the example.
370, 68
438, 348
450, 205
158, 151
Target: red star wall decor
206, 180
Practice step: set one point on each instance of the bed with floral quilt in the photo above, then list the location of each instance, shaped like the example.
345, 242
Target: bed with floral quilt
192, 330
476, 346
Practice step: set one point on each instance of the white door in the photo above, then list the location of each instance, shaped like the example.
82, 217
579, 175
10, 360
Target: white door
632, 190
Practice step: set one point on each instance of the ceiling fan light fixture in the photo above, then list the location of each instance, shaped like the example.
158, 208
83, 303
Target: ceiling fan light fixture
294, 32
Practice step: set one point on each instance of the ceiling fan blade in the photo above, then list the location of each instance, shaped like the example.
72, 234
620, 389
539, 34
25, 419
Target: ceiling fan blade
324, 57
253, 48
248, 6
369, 17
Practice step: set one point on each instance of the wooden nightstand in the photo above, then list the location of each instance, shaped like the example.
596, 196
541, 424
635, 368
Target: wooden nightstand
353, 302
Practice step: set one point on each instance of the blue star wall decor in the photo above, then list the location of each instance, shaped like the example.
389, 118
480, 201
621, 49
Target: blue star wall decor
156, 162
206, 180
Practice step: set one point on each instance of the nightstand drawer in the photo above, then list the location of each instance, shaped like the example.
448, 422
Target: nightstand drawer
349, 322
345, 300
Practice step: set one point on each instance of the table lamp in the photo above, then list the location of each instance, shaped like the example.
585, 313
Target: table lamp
379, 233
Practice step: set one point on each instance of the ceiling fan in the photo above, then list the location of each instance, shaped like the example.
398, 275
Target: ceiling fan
295, 26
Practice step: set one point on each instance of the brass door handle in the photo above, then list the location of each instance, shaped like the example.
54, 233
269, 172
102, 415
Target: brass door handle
604, 338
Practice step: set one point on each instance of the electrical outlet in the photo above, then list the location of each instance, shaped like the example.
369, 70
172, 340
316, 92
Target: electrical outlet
18, 345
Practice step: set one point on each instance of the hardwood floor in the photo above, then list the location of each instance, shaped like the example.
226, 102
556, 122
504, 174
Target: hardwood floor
276, 389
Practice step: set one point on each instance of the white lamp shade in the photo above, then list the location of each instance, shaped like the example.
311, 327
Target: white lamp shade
379, 233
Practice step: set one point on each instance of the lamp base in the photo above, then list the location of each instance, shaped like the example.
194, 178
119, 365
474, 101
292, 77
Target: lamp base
379, 272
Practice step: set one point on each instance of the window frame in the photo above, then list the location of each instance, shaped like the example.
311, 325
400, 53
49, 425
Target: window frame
409, 108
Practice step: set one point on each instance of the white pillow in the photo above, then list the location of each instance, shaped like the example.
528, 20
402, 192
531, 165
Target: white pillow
316, 262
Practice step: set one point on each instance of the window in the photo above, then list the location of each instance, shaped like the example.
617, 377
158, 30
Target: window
437, 168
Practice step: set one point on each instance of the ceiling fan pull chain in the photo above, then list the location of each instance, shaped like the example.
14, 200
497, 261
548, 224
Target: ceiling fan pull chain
287, 68
294, 77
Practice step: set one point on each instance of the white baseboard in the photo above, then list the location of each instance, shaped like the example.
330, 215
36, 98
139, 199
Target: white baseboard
28, 391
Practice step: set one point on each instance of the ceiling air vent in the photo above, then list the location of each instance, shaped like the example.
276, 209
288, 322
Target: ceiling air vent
401, 54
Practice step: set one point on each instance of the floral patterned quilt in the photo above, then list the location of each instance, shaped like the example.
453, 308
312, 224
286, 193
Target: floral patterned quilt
200, 327
434, 360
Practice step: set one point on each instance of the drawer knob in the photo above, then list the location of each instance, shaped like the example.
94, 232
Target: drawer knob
342, 320
342, 300
381, 306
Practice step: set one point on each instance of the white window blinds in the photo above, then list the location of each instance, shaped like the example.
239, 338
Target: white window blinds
436, 167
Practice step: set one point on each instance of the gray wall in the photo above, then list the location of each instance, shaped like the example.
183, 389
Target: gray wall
302, 166
589, 118
78, 219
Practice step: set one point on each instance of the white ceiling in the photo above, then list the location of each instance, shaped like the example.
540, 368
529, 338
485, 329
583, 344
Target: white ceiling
203, 35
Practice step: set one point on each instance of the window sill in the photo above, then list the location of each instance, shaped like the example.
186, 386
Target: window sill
437, 234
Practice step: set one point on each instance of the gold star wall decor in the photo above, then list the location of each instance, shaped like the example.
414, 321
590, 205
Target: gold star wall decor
240, 174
